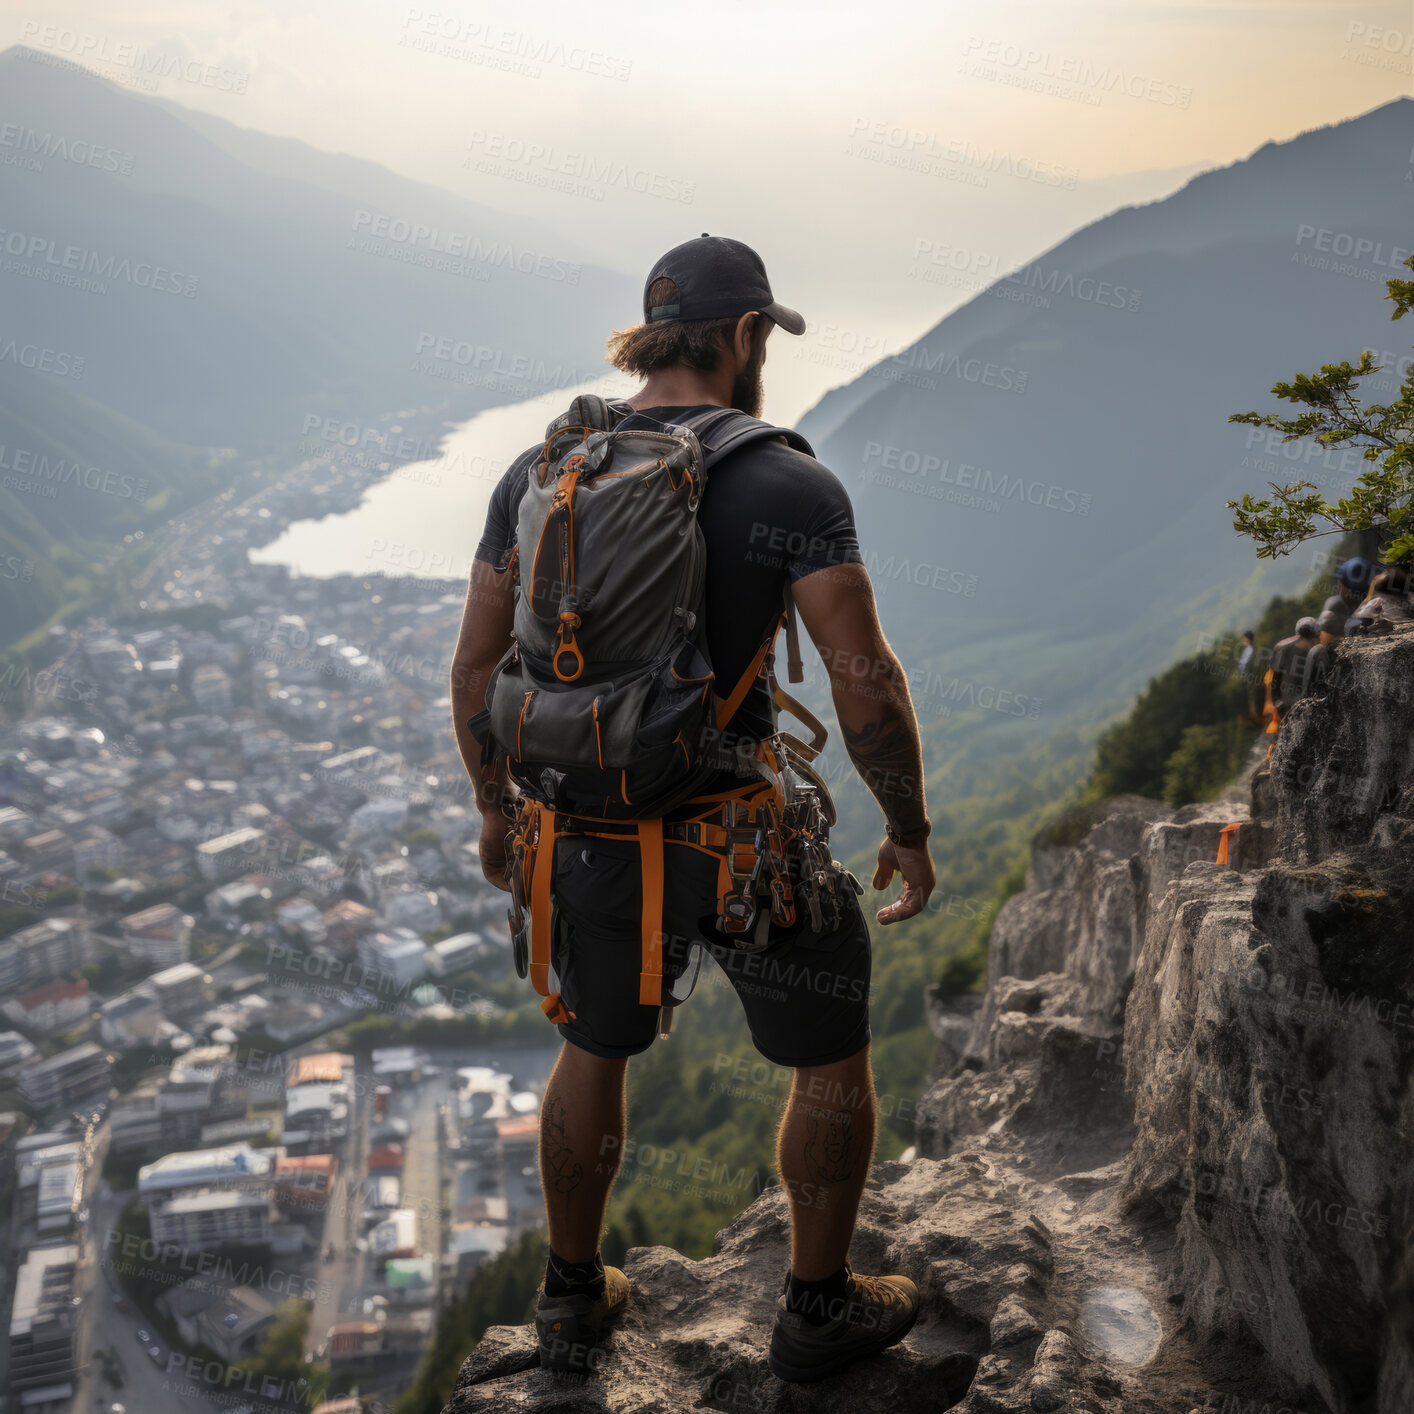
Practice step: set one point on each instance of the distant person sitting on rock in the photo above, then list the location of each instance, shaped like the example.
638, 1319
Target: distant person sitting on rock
1353, 582
1318, 660
1389, 600
1289, 664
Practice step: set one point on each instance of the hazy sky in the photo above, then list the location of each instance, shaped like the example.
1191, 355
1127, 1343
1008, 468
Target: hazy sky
886, 158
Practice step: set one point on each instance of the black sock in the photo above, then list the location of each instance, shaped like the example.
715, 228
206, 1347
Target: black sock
818, 1302
564, 1278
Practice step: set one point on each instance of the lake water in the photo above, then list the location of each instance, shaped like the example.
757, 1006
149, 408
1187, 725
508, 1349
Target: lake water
425, 518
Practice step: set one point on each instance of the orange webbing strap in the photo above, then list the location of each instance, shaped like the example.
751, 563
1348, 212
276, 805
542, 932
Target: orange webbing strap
1224, 837
727, 707
542, 869
650, 852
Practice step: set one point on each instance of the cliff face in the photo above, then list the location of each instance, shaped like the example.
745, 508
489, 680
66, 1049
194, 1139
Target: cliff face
1269, 1039
1167, 1163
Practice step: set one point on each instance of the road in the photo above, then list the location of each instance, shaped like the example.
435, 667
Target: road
147, 1388
422, 1162
341, 1279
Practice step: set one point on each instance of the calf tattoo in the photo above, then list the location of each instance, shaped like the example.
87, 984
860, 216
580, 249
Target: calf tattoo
563, 1172
829, 1145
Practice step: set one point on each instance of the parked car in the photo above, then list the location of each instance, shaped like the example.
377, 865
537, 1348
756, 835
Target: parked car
144, 1337
156, 1352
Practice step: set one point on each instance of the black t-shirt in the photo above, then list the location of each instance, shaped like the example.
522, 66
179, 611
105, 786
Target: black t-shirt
769, 514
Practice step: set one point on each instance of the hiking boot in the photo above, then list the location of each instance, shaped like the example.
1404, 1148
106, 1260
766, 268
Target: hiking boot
570, 1327
877, 1313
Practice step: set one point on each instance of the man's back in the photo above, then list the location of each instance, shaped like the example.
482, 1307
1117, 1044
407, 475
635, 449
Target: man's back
1288, 668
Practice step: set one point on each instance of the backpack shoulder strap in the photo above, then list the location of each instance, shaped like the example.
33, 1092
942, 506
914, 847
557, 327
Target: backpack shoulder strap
726, 430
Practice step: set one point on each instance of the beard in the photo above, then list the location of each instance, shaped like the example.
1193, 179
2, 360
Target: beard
748, 394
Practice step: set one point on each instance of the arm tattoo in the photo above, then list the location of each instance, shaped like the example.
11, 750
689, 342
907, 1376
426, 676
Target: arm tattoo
563, 1172
886, 754
829, 1145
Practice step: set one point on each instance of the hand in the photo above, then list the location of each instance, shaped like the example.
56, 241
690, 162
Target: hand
916, 867
494, 851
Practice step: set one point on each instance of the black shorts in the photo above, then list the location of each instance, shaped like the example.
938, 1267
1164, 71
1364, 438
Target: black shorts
806, 995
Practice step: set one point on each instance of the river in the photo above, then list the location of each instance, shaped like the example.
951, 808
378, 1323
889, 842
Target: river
426, 517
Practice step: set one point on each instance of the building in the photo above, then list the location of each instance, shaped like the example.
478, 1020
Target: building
346, 922
349, 766
76, 1079
49, 1188
518, 1140
235, 1165
320, 1067
159, 935
385, 1158
455, 954
416, 909
131, 1020
44, 1327
199, 1094
354, 1346
96, 849
15, 1050
394, 960
56, 1006
395, 1236
399, 1065
48, 849
382, 1193
230, 853
411, 1281
202, 1087
43, 952
299, 918
135, 1123
231, 1320
321, 876
379, 816
305, 1183
211, 688
318, 1111
212, 1217
179, 990
242, 898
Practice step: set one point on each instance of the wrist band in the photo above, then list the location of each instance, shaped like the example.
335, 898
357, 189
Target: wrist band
909, 839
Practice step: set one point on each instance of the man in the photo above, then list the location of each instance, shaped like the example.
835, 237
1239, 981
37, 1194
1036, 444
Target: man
1352, 580
1318, 661
1289, 664
770, 516
1244, 671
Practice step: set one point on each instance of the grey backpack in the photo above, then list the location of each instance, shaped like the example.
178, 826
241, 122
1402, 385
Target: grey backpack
606, 704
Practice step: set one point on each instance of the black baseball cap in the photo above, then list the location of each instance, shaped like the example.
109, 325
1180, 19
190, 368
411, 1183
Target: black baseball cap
717, 278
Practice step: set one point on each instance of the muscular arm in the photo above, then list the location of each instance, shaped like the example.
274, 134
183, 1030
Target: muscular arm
869, 688
485, 635
875, 711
